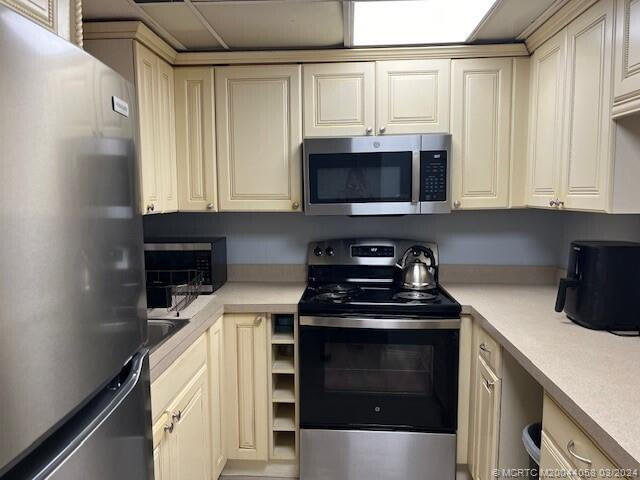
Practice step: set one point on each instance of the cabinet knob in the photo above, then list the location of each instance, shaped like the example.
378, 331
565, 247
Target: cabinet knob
176, 416
257, 321
560, 203
295, 205
151, 207
369, 130
209, 206
169, 427
488, 384
484, 348
382, 129
553, 203
456, 204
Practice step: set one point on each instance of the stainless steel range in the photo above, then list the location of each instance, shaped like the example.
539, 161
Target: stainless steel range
378, 363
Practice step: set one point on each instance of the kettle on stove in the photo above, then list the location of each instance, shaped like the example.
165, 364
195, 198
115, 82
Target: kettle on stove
418, 266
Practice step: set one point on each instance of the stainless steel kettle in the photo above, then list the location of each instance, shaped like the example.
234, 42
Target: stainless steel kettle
418, 266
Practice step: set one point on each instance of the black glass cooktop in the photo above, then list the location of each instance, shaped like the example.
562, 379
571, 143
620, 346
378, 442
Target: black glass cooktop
339, 298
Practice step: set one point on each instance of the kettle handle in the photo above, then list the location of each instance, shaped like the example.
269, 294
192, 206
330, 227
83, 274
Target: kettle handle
562, 291
427, 251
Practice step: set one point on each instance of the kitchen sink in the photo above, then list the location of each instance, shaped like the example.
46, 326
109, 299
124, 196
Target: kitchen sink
160, 330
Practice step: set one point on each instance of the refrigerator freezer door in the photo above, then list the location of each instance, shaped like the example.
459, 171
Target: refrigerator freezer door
72, 291
108, 439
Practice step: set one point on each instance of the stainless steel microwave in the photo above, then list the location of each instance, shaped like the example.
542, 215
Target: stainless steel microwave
377, 175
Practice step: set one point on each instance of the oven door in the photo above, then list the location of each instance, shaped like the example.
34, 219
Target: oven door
381, 378
362, 175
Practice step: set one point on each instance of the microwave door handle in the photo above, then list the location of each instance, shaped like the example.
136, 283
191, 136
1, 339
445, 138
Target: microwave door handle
415, 176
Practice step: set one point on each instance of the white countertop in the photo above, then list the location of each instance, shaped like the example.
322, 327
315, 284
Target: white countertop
594, 375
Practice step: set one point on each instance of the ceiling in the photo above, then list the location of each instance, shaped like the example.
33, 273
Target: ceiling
284, 24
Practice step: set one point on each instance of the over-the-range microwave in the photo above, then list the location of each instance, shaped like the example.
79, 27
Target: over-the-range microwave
377, 175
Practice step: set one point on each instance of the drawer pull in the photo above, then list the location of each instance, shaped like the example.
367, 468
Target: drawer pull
484, 348
570, 448
488, 385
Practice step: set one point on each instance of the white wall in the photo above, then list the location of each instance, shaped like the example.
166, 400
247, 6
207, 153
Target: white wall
500, 237
516, 237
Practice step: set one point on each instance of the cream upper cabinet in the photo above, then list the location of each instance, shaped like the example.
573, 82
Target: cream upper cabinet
167, 136
571, 134
339, 99
246, 415
195, 139
189, 447
486, 422
545, 121
146, 64
480, 128
259, 135
59, 16
216, 376
587, 140
412, 96
627, 58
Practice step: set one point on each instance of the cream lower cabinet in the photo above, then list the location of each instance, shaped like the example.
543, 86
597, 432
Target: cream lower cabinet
246, 415
259, 135
626, 80
195, 139
218, 389
181, 434
571, 132
487, 391
480, 129
339, 99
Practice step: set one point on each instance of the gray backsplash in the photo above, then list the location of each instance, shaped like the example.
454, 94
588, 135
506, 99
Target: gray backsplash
498, 237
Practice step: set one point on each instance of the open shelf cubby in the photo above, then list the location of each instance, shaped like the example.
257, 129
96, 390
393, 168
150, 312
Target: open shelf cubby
283, 387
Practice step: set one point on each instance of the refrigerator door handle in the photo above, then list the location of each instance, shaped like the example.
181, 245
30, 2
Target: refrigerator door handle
115, 396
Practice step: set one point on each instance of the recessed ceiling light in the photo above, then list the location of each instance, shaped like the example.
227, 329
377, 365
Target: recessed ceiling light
411, 22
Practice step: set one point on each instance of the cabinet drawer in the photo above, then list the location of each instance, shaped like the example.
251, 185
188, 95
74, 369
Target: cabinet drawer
552, 460
576, 448
172, 381
490, 351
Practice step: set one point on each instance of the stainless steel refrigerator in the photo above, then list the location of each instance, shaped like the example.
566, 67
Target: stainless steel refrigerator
74, 383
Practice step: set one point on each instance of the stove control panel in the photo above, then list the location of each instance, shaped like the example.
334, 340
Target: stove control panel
372, 251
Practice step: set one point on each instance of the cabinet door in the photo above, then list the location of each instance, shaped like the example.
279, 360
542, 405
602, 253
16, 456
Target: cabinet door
166, 128
412, 96
161, 449
339, 99
487, 418
545, 121
216, 377
150, 161
41, 11
259, 134
190, 453
246, 415
587, 144
195, 127
480, 127
627, 52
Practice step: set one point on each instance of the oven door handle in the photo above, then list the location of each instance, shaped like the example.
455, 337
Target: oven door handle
382, 323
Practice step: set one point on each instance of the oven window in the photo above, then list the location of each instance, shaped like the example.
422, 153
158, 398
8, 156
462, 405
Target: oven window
378, 379
360, 177
379, 369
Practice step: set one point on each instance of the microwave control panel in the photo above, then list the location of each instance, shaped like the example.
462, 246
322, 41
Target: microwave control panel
433, 176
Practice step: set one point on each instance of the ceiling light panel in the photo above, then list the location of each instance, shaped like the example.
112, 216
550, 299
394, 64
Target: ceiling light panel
416, 22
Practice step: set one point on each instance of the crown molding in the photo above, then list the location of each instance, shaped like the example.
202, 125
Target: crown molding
556, 22
350, 54
134, 30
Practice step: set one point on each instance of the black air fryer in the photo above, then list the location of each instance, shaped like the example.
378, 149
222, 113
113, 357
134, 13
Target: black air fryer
602, 288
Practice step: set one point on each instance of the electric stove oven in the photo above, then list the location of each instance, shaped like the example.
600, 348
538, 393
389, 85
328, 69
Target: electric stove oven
378, 367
